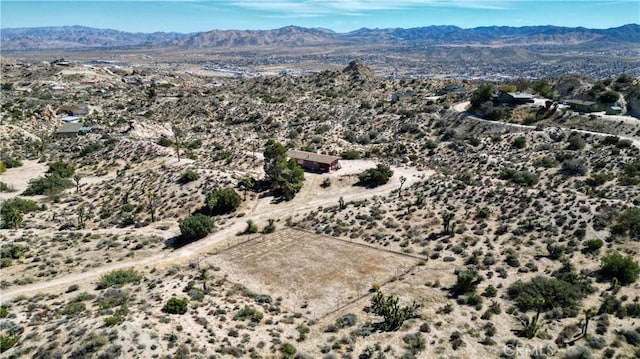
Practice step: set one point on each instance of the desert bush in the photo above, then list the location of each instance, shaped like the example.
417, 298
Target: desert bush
573, 167
374, 177
249, 313
118, 278
350, 155
165, 142
519, 142
189, 176
575, 142
74, 308
222, 200
251, 227
288, 350
347, 320
624, 268
50, 184
467, 281
520, 177
415, 342
628, 222
175, 306
10, 162
593, 245
270, 227
7, 342
196, 226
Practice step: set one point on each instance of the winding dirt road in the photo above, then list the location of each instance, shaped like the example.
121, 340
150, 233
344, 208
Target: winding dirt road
306, 200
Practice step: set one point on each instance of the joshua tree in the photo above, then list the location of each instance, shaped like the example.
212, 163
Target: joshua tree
446, 220
82, 218
76, 179
152, 204
177, 136
403, 179
204, 276
531, 326
341, 203
588, 314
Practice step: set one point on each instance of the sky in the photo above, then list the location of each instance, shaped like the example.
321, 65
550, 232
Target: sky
187, 16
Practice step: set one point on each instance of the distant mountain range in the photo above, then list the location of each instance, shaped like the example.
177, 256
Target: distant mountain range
79, 37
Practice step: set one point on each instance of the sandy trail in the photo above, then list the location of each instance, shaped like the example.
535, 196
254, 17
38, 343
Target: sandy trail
18, 178
265, 209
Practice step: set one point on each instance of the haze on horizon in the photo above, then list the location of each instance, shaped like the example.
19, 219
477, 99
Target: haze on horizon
188, 16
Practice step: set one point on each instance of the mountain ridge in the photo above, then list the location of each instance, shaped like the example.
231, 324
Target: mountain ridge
70, 37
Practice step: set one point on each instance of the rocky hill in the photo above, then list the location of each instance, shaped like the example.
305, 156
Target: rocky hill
68, 37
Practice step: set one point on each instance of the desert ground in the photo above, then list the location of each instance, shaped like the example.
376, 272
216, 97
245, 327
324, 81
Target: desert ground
494, 232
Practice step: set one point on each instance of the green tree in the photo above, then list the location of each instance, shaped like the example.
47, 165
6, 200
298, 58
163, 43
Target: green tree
222, 200
481, 95
285, 176
76, 179
543, 88
62, 169
196, 226
624, 268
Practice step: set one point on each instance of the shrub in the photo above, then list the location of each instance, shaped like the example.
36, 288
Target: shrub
222, 200
118, 278
520, 177
13, 251
249, 313
270, 227
519, 142
624, 269
189, 176
467, 281
74, 308
374, 177
165, 142
196, 226
347, 320
628, 222
50, 184
288, 350
175, 306
351, 155
11, 162
7, 342
575, 142
4, 311
251, 227
574, 167
593, 245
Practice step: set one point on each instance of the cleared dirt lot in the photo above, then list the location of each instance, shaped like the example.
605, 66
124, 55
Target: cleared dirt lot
307, 270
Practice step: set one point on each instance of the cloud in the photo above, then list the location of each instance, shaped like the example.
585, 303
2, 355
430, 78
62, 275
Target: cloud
357, 7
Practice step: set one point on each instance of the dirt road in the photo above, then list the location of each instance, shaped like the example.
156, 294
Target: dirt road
306, 200
462, 108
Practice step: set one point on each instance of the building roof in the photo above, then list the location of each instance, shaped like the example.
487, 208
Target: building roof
520, 95
70, 127
313, 157
581, 102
